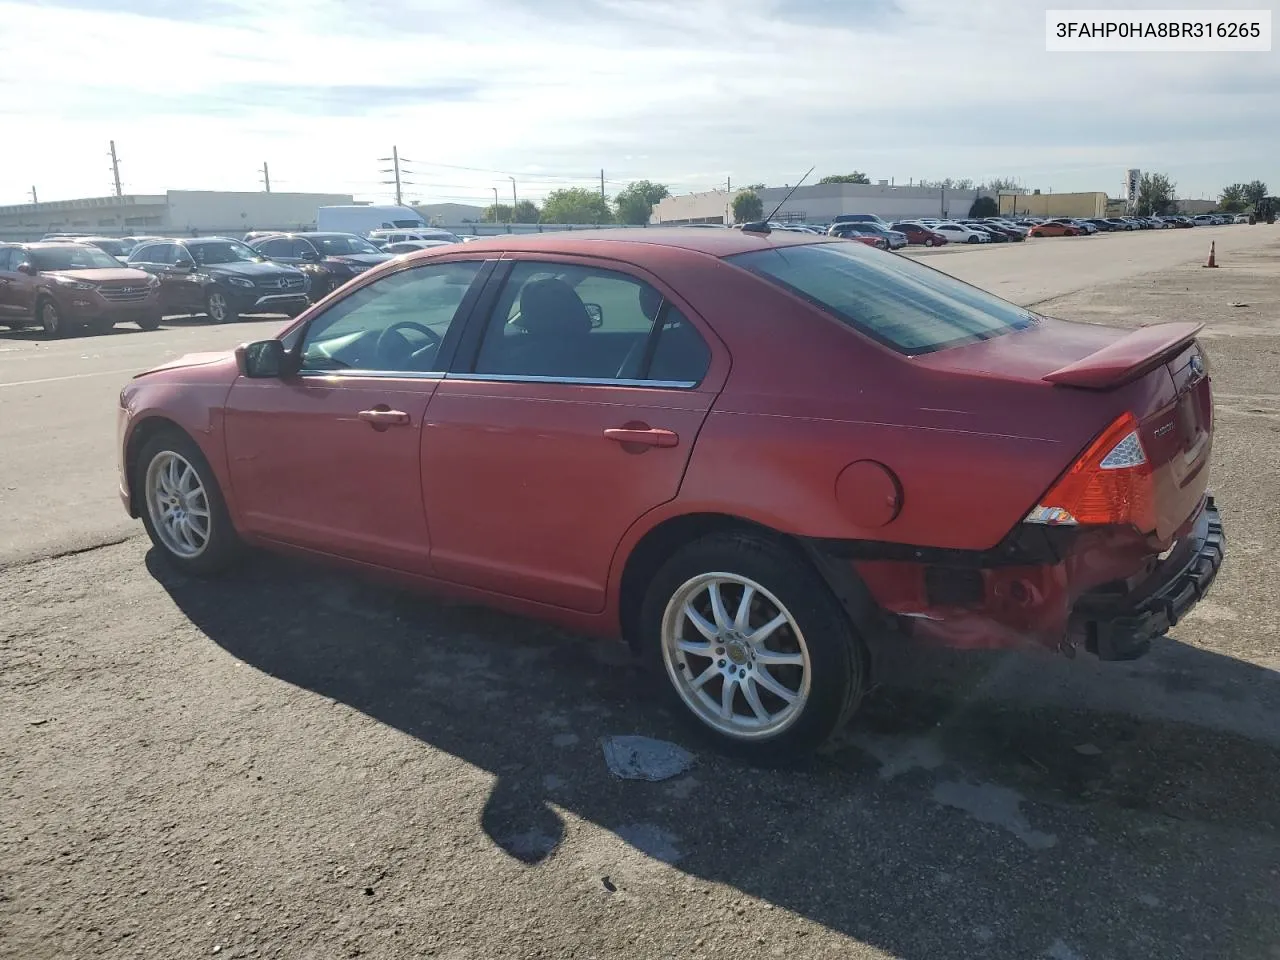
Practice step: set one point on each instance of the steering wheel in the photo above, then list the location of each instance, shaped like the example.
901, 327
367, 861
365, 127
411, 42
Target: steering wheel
390, 352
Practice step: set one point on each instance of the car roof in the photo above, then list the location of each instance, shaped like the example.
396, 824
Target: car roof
637, 243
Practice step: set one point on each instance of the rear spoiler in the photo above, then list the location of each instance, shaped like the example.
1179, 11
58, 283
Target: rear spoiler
1127, 358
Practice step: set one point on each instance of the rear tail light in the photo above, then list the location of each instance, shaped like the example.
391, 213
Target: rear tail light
1110, 483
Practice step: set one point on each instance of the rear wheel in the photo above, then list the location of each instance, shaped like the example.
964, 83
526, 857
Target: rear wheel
182, 505
972, 240
928, 241
50, 318
755, 649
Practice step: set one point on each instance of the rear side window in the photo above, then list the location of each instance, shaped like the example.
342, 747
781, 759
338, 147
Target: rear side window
904, 305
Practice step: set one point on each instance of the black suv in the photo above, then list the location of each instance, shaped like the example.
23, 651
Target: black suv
328, 259
220, 277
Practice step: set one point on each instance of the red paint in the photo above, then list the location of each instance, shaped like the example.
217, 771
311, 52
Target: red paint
525, 495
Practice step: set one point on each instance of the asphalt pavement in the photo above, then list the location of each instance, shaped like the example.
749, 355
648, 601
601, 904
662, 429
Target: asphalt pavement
291, 762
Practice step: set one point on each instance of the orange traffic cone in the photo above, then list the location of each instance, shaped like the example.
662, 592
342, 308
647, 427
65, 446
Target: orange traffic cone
1212, 260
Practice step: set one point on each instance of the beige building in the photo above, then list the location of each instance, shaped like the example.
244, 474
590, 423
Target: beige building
822, 203
1054, 204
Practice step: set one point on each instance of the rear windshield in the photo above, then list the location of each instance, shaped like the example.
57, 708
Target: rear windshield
901, 303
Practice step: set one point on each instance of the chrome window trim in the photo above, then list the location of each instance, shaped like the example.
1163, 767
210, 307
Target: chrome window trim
575, 381
357, 374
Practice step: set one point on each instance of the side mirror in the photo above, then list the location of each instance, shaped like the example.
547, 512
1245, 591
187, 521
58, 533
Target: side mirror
311, 256
262, 360
27, 268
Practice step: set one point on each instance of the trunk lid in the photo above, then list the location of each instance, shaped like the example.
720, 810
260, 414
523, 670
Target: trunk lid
1157, 373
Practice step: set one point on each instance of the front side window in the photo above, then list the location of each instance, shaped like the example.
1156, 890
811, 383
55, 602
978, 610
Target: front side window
564, 321
903, 304
396, 324
342, 246
279, 247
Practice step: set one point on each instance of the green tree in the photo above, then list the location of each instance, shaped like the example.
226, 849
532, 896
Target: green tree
1233, 198
1254, 192
576, 205
856, 177
1155, 194
984, 207
1004, 185
747, 206
635, 202
527, 212
755, 187
497, 213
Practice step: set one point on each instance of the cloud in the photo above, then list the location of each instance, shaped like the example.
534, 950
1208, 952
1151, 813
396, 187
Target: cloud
688, 92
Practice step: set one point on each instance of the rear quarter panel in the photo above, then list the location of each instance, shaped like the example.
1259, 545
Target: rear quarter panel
808, 395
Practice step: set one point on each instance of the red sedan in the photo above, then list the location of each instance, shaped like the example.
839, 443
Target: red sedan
760, 459
920, 235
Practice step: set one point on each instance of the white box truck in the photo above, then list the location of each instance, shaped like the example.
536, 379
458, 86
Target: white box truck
362, 217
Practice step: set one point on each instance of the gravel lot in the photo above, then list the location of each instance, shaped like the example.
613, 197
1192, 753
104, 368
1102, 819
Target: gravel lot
294, 763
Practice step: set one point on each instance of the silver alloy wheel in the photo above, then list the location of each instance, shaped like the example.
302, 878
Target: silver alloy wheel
217, 307
50, 319
177, 504
745, 673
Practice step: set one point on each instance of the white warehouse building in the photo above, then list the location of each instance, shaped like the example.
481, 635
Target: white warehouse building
822, 203
171, 212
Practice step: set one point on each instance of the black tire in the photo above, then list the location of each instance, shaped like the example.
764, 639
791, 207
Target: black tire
972, 240
223, 546
150, 322
928, 241
50, 318
837, 657
225, 314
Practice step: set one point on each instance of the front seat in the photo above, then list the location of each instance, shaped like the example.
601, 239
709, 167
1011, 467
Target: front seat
557, 332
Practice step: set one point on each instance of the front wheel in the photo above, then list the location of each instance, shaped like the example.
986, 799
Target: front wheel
756, 650
928, 241
218, 307
182, 505
149, 322
972, 240
50, 318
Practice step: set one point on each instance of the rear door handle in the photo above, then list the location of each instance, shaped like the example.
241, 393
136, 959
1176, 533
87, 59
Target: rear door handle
384, 417
644, 436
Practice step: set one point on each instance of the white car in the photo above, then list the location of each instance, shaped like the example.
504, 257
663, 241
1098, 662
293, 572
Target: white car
959, 233
1242, 218
1204, 220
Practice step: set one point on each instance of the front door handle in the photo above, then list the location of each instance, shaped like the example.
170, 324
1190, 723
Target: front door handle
642, 436
383, 417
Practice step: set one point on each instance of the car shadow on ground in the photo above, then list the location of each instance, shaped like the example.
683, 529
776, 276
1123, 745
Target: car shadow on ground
944, 825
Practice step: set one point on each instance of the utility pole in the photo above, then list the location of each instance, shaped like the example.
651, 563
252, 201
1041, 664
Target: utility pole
115, 169
514, 202
602, 183
266, 176
728, 184
34, 198
396, 160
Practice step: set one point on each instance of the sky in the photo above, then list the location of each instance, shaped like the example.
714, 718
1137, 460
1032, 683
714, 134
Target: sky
198, 94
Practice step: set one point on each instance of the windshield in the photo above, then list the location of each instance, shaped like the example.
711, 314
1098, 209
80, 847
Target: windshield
224, 251
113, 247
409, 224
74, 256
907, 306
342, 246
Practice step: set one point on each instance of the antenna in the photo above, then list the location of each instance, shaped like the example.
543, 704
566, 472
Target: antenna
762, 226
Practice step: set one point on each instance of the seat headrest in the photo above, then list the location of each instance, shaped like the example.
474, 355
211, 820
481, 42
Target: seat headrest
551, 307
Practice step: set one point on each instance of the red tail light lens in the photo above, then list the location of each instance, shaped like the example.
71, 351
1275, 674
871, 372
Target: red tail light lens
1109, 484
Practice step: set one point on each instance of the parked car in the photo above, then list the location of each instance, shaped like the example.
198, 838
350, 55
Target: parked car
328, 259
64, 286
1178, 222
130, 242
1087, 227
894, 239
1055, 228
424, 233
1241, 218
220, 277
253, 235
959, 233
996, 236
1120, 223
919, 234
858, 230
741, 524
1007, 225
413, 246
